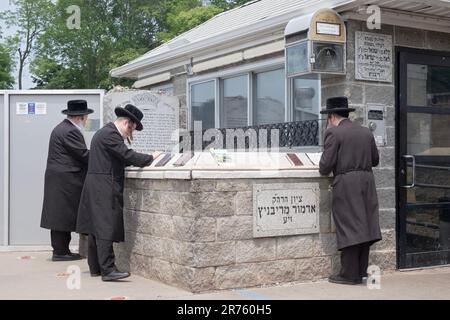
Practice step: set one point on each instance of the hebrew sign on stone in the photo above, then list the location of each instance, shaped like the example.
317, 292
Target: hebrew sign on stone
373, 57
285, 209
161, 117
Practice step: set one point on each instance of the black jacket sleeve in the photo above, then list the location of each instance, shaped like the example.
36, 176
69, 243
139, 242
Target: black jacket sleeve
76, 147
117, 148
375, 153
330, 153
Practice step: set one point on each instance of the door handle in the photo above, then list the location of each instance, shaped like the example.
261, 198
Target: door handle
413, 183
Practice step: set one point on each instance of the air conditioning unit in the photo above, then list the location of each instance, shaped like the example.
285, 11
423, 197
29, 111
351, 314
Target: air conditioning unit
316, 44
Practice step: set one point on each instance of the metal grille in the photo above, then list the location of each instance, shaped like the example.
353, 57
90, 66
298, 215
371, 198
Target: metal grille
291, 135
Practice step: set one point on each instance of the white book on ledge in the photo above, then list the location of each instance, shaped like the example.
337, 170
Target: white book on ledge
314, 157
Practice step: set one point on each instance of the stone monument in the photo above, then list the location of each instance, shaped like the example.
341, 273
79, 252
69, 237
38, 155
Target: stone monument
161, 117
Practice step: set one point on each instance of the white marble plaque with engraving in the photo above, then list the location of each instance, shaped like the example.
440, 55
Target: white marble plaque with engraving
373, 57
161, 118
285, 209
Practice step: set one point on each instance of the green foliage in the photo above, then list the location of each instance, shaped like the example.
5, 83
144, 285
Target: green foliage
6, 68
228, 4
111, 34
82, 53
30, 19
181, 21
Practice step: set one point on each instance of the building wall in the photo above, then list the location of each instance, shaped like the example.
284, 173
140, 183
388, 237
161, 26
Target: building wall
198, 235
180, 79
360, 93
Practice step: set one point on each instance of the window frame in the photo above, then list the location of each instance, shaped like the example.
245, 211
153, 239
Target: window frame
254, 91
290, 96
290, 108
222, 95
189, 96
249, 70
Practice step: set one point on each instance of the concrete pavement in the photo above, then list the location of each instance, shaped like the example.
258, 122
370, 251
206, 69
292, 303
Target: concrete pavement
33, 276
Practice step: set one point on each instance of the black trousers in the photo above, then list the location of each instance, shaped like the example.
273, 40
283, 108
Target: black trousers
101, 258
355, 261
60, 242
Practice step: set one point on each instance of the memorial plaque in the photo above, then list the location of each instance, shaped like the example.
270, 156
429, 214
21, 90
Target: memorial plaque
373, 57
161, 118
285, 209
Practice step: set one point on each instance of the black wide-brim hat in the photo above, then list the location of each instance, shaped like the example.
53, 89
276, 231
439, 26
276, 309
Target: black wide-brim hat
133, 113
337, 104
77, 108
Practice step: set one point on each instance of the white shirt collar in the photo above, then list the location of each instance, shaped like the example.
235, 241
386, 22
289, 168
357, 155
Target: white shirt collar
118, 129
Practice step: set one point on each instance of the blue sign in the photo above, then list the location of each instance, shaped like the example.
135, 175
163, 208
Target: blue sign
31, 108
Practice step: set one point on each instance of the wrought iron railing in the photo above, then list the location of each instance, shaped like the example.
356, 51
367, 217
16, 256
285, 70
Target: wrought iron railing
291, 135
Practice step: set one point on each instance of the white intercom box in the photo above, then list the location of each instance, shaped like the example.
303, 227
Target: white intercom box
376, 122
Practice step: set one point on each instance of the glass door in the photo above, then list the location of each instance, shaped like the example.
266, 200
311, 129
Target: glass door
423, 159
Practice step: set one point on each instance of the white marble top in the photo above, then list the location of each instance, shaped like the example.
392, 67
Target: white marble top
240, 165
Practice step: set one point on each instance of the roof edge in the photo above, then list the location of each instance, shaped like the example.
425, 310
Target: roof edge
133, 66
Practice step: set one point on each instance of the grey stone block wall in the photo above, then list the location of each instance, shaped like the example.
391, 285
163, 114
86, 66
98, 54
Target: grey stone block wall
193, 234
198, 235
361, 93
180, 91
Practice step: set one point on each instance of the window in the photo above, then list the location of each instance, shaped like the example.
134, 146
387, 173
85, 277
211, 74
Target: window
203, 104
234, 104
244, 96
305, 95
269, 104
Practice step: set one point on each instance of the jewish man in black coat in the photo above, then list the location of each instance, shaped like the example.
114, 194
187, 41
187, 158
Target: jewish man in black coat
101, 207
64, 178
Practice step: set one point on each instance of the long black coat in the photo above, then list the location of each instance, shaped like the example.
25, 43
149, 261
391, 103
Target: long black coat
64, 177
350, 153
101, 205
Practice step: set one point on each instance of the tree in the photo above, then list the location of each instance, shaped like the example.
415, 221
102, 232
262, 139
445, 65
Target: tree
30, 18
182, 15
180, 20
229, 4
6, 68
111, 33
80, 53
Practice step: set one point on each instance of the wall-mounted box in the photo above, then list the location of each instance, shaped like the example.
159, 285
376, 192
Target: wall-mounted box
316, 43
376, 122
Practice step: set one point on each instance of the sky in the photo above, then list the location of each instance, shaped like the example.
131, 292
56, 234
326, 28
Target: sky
27, 83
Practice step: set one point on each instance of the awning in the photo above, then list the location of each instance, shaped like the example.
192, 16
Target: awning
298, 24
163, 77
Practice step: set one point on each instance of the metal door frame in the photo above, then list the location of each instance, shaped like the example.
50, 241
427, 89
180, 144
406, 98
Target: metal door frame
5, 208
5, 242
405, 56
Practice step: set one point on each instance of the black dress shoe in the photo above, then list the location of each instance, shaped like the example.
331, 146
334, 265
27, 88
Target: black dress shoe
115, 275
66, 257
96, 274
76, 255
341, 280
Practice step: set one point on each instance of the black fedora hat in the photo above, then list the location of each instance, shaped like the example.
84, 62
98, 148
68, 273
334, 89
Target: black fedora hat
132, 113
337, 104
77, 108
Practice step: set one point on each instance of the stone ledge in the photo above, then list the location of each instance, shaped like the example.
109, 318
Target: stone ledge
224, 174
